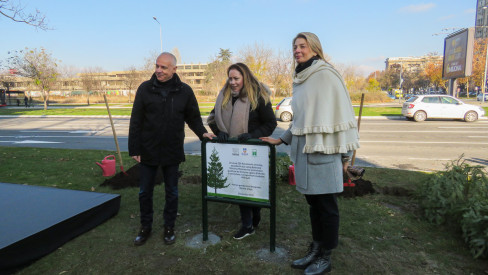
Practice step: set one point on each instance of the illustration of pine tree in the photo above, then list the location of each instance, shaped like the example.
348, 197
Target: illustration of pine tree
215, 171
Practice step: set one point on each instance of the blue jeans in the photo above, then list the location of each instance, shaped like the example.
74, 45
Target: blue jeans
147, 176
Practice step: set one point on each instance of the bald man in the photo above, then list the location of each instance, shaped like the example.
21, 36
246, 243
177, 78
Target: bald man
161, 108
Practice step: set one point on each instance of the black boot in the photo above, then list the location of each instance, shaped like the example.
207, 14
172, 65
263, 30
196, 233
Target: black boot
169, 235
142, 236
312, 253
321, 264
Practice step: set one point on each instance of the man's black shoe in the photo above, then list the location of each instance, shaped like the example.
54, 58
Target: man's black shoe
142, 236
169, 235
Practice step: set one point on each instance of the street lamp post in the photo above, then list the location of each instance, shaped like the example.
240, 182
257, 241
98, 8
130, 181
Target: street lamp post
483, 92
160, 33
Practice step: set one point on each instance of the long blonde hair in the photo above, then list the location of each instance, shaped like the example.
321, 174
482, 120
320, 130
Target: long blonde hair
313, 42
251, 88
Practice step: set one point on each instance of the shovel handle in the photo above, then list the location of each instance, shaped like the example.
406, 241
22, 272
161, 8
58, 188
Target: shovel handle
113, 130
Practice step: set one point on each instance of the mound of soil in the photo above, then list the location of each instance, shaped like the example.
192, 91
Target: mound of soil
132, 176
129, 179
361, 188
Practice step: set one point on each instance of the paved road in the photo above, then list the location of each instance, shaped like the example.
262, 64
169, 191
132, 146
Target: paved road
385, 142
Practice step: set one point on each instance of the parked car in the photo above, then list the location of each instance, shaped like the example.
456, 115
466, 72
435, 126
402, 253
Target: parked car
480, 97
421, 107
283, 110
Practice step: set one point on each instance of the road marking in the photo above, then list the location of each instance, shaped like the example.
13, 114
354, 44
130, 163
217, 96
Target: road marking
71, 132
478, 136
408, 131
422, 142
462, 127
428, 159
61, 137
30, 141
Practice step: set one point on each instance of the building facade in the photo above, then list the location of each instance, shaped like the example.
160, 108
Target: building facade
481, 30
117, 81
410, 64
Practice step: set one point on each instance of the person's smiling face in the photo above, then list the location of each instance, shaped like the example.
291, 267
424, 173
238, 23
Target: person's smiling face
301, 51
236, 81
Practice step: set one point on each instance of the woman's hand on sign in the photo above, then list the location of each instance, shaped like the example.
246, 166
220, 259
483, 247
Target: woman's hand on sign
270, 140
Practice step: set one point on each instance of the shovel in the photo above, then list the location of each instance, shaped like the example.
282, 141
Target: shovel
115, 135
347, 179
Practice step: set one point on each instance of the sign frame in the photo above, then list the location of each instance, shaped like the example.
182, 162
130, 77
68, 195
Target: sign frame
270, 203
458, 54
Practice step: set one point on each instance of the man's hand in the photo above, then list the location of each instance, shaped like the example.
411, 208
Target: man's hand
209, 135
137, 158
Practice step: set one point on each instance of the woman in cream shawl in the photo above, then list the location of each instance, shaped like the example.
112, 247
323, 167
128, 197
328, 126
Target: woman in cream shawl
322, 137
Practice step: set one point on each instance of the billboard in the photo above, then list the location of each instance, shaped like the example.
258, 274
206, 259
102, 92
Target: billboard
458, 54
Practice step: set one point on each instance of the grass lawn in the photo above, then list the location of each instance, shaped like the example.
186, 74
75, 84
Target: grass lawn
205, 109
379, 234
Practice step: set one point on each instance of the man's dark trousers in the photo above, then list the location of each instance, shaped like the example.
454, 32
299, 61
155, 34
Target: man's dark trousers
147, 176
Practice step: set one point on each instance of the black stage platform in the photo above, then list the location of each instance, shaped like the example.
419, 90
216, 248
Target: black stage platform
35, 220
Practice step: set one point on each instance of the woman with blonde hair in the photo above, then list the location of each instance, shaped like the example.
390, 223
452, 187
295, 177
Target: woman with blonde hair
243, 110
322, 137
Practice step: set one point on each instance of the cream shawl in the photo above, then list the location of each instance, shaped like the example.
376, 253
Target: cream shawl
322, 110
232, 119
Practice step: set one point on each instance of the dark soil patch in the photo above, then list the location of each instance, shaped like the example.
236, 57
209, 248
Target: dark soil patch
361, 188
130, 179
132, 176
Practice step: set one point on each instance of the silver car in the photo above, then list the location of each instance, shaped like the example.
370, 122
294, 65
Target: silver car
283, 110
421, 107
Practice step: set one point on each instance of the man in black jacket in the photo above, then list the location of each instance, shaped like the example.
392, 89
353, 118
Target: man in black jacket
156, 137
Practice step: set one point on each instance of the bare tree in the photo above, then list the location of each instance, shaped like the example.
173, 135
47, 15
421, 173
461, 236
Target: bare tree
15, 12
216, 72
132, 80
91, 81
258, 58
280, 74
149, 64
177, 54
39, 66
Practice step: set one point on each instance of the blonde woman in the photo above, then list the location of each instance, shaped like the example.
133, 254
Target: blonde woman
243, 110
322, 136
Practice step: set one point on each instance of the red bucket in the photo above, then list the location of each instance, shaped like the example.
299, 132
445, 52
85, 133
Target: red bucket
291, 175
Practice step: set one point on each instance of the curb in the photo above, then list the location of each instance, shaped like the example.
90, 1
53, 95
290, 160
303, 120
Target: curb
203, 117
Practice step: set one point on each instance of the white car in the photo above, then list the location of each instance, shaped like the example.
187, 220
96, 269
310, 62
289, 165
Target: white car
480, 97
283, 110
421, 107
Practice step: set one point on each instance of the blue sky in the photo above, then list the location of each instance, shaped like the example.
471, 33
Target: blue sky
114, 35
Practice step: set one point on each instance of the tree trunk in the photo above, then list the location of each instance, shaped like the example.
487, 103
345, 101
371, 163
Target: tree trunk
46, 98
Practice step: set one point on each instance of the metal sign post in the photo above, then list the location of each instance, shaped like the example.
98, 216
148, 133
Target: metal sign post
222, 181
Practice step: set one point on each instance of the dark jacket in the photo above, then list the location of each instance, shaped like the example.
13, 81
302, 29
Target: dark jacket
262, 121
157, 123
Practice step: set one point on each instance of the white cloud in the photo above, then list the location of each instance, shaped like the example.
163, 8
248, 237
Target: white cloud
470, 11
447, 17
417, 8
